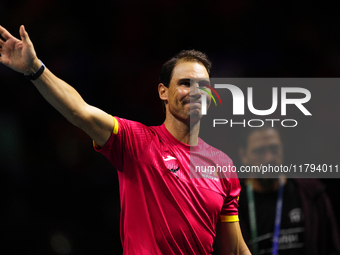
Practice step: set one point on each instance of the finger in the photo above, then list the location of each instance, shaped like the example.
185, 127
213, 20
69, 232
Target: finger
24, 35
4, 33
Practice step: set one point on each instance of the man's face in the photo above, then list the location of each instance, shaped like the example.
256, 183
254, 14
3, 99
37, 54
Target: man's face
264, 147
183, 101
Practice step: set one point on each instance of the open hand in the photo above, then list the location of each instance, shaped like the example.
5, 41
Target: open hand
18, 55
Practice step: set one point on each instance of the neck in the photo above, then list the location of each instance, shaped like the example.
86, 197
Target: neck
183, 131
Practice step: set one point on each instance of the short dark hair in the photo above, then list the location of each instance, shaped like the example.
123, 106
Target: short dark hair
185, 56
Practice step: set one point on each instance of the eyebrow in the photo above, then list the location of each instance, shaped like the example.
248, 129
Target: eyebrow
199, 80
183, 80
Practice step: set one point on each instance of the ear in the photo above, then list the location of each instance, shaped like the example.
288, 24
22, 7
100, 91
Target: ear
163, 92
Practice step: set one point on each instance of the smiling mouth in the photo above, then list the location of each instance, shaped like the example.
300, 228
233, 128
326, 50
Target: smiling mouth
194, 105
192, 102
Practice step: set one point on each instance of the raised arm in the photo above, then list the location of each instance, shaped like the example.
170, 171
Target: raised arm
20, 56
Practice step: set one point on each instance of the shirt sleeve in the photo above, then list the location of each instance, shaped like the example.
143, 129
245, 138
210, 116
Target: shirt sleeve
229, 211
127, 141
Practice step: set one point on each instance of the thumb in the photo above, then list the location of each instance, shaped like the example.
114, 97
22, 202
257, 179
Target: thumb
24, 35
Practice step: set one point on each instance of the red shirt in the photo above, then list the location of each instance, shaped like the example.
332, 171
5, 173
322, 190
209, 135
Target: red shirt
163, 210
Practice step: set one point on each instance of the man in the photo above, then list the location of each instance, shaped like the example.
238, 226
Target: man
163, 210
306, 223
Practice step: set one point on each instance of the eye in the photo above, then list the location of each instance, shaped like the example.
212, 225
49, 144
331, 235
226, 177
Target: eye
185, 83
259, 151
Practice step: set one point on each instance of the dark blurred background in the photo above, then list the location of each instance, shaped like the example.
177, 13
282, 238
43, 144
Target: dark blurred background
57, 196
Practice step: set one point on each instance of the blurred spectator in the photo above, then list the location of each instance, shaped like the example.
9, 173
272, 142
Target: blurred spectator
307, 222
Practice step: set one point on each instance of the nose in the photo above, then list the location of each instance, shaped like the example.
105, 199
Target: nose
194, 86
194, 89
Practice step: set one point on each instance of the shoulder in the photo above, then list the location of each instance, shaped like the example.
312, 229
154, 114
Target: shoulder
135, 127
311, 188
308, 183
129, 123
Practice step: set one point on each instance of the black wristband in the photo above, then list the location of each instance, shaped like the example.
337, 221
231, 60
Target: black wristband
37, 74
